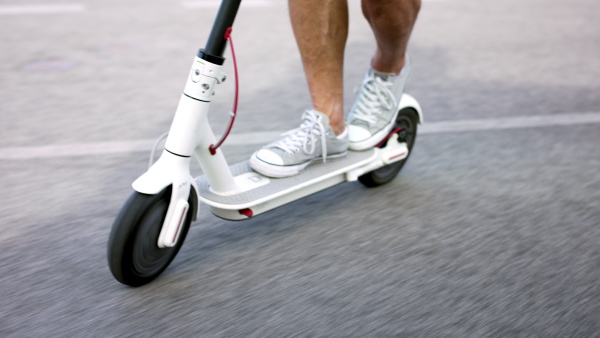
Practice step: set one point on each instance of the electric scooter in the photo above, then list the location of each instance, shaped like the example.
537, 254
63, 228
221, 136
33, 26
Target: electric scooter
153, 223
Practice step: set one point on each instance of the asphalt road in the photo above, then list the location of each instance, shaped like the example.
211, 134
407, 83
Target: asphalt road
489, 231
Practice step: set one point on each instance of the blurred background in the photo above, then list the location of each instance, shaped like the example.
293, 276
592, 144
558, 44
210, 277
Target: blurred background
491, 229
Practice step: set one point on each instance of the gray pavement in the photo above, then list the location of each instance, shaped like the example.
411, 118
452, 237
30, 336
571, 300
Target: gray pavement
485, 232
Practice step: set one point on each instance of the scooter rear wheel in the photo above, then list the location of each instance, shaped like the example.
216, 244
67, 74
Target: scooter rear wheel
134, 257
407, 121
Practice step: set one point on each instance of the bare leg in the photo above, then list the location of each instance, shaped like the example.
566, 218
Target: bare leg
392, 22
321, 30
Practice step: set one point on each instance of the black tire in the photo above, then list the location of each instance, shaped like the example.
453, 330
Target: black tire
407, 119
134, 257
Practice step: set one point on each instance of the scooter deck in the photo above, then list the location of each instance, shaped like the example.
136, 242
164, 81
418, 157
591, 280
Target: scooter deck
258, 190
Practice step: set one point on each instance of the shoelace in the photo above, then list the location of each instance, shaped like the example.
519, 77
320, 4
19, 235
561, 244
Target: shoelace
305, 136
377, 93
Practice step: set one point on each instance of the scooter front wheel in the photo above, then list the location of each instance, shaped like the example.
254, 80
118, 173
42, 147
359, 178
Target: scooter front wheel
134, 257
406, 121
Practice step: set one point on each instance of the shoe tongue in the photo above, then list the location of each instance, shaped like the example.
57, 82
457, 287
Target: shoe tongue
382, 75
324, 118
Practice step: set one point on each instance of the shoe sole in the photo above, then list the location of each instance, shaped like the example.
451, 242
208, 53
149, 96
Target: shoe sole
280, 171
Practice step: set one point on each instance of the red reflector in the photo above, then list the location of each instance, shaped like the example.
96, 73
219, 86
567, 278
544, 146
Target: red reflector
393, 157
246, 212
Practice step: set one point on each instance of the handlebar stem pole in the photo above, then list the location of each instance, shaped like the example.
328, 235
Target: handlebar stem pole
215, 47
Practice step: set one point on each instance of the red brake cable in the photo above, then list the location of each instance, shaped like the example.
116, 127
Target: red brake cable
213, 148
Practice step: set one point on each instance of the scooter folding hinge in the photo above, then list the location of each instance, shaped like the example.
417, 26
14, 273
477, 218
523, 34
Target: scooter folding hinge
203, 78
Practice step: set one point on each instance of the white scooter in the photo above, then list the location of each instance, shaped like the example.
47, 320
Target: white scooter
153, 223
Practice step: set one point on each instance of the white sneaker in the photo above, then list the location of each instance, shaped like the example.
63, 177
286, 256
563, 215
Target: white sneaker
374, 112
313, 141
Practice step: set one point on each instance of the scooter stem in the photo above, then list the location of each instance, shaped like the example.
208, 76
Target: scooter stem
215, 46
190, 132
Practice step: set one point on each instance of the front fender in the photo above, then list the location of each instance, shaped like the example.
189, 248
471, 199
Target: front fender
168, 170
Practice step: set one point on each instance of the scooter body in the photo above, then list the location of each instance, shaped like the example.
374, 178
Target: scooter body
257, 193
153, 223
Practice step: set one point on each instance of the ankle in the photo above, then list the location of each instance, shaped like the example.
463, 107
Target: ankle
394, 65
337, 123
339, 129
336, 118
